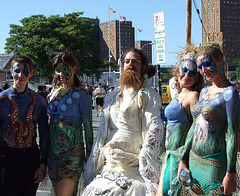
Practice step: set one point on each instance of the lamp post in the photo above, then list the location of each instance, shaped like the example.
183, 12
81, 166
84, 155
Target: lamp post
150, 43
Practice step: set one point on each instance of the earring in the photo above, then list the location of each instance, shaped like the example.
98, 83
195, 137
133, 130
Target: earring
221, 70
204, 79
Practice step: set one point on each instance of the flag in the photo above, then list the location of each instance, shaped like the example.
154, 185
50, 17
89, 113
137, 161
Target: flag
112, 11
139, 30
122, 19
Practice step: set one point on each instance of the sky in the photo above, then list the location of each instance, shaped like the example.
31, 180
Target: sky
140, 12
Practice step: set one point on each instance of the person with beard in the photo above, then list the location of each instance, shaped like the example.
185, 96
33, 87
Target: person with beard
69, 107
125, 156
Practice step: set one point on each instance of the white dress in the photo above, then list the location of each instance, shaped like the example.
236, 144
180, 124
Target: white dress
127, 162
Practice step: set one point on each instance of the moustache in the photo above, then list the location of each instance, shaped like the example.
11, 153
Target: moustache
131, 68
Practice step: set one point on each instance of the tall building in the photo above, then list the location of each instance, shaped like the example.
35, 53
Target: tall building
146, 47
96, 36
221, 22
126, 35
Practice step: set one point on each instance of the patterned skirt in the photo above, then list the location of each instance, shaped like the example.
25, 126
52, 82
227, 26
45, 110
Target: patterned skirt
66, 163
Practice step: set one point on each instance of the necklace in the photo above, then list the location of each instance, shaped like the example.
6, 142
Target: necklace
60, 90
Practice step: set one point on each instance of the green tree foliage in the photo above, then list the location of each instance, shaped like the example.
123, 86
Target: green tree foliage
166, 76
236, 62
235, 74
113, 65
41, 38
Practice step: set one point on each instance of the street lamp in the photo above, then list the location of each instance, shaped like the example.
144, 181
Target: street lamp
150, 43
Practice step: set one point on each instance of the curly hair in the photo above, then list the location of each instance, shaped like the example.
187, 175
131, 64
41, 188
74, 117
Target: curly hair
199, 83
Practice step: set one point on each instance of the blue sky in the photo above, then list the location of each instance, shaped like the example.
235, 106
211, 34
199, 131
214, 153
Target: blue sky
140, 12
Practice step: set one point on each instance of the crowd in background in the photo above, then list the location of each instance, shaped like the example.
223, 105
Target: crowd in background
141, 148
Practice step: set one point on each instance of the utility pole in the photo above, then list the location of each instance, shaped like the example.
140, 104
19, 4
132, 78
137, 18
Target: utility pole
159, 80
109, 46
189, 22
119, 44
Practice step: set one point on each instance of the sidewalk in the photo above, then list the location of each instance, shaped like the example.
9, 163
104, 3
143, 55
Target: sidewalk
45, 187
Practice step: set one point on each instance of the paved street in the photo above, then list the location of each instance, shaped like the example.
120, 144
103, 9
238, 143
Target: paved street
45, 187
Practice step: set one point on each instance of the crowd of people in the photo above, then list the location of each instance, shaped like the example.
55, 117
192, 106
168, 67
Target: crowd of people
141, 148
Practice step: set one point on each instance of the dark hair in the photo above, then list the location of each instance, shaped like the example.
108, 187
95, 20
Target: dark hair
5, 86
68, 58
40, 88
24, 60
151, 70
143, 57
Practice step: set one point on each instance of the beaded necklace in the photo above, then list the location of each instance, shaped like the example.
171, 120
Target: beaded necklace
60, 90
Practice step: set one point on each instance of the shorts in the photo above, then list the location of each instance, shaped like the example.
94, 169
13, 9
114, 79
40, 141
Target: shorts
99, 101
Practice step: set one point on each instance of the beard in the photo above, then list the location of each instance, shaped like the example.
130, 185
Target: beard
130, 79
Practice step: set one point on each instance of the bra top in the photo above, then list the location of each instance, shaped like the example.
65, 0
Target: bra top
175, 112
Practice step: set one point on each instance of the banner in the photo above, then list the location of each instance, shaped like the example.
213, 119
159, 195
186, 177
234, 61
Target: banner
3, 76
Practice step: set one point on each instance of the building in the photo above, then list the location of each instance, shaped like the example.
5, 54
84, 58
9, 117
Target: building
146, 47
221, 22
96, 36
111, 38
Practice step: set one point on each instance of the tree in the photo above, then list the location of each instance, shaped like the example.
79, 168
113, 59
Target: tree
41, 38
113, 65
236, 65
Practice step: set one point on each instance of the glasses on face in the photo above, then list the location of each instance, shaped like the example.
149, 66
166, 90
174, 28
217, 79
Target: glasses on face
191, 74
188, 68
134, 61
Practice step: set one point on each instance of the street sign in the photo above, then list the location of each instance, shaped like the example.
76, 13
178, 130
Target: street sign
161, 50
159, 30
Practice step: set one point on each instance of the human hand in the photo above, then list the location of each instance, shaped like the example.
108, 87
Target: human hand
182, 166
229, 183
40, 174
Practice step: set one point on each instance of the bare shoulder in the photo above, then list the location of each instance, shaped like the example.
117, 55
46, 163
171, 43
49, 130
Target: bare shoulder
194, 94
192, 97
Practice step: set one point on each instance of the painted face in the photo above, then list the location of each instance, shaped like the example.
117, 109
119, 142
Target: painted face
20, 68
65, 69
207, 62
188, 66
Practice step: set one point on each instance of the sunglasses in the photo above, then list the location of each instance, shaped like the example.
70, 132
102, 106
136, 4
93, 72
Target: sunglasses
189, 68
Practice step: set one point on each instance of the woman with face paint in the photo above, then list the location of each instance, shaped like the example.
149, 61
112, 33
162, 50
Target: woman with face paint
210, 150
178, 116
69, 108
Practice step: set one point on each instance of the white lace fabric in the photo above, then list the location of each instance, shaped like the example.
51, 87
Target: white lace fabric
151, 129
